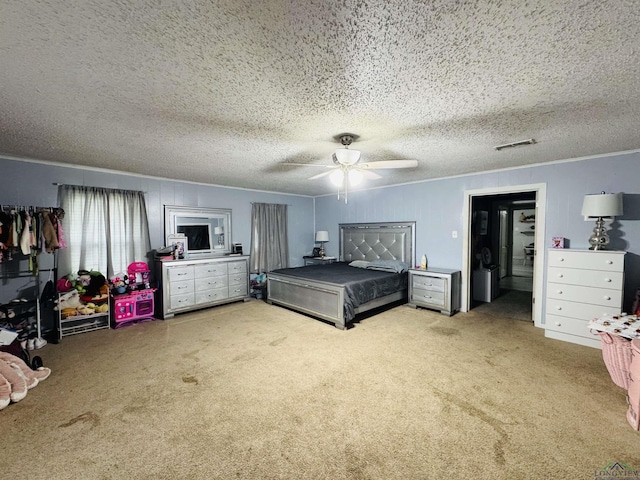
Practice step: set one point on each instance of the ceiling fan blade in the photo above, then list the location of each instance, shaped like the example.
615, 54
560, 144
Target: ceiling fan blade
323, 174
308, 165
390, 164
368, 174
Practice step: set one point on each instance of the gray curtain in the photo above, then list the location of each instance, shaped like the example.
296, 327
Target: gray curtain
269, 243
105, 229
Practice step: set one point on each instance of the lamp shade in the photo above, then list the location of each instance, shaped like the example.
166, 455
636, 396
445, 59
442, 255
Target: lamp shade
347, 157
602, 205
322, 236
217, 230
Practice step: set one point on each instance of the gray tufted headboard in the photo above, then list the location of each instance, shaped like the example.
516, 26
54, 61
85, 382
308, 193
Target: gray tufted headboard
374, 241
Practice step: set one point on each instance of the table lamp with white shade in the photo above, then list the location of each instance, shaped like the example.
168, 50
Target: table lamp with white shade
601, 206
322, 236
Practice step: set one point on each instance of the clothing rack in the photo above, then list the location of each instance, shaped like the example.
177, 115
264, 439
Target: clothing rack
11, 269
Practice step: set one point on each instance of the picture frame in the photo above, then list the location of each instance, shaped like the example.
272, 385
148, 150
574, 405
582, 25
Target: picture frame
557, 242
178, 241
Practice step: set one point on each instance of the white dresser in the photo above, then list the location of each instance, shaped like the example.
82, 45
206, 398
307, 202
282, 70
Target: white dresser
581, 285
191, 284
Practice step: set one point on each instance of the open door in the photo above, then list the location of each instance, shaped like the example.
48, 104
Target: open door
538, 195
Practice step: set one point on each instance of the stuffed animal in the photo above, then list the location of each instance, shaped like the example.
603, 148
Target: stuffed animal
70, 299
16, 378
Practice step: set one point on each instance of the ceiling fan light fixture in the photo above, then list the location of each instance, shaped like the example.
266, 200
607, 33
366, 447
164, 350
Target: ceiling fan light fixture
337, 178
347, 157
355, 178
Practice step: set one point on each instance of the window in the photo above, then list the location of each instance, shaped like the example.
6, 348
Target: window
105, 229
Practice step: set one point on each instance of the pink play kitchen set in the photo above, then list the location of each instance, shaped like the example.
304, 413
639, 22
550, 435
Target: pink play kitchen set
133, 297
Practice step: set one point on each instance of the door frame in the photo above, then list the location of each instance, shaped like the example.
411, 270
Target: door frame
540, 190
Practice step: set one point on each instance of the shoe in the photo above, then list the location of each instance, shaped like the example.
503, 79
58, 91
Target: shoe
31, 344
39, 343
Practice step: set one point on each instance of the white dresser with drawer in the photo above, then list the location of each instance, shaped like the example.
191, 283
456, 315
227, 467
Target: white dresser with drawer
191, 284
581, 285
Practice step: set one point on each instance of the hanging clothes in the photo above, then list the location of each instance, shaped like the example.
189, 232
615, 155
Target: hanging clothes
48, 232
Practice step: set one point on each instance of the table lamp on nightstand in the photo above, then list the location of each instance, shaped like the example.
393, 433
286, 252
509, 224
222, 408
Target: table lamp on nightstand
322, 236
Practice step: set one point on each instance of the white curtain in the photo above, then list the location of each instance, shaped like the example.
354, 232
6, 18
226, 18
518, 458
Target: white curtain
269, 243
105, 229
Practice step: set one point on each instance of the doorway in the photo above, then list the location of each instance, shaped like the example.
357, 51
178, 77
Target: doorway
494, 219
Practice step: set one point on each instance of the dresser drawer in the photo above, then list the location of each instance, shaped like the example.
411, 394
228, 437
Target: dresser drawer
238, 279
182, 301
180, 288
422, 296
588, 278
238, 290
424, 282
585, 311
210, 270
587, 260
177, 274
203, 284
237, 267
212, 295
580, 294
573, 326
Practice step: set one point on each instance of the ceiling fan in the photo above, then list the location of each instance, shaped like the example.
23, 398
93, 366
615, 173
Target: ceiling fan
348, 170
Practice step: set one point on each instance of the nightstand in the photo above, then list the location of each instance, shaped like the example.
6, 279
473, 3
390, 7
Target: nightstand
436, 288
309, 260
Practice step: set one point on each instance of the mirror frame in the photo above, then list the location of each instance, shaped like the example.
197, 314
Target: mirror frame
172, 212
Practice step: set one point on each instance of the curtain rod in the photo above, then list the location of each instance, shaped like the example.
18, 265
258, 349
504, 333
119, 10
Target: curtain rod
265, 203
102, 188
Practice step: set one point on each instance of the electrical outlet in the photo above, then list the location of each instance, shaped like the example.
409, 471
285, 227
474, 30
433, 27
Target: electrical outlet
454, 234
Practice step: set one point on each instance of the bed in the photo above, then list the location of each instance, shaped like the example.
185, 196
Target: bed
338, 292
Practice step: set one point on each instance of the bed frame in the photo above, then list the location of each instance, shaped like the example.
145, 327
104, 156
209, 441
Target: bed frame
358, 241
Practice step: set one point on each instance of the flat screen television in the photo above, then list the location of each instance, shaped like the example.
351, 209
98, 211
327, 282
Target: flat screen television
198, 236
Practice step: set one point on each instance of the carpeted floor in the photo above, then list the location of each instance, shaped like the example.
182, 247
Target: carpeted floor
513, 304
254, 391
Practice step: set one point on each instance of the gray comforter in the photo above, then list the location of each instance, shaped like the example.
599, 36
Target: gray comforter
361, 285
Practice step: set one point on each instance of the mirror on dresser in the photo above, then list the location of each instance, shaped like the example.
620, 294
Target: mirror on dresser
207, 230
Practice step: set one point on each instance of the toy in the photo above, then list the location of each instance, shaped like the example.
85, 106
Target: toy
138, 275
96, 282
70, 299
119, 282
16, 378
64, 285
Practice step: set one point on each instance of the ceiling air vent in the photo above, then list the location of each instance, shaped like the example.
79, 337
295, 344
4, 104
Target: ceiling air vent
531, 141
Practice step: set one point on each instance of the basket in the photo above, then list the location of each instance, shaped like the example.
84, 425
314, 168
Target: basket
616, 352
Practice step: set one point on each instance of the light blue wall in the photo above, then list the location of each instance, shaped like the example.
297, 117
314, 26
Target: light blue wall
31, 183
437, 208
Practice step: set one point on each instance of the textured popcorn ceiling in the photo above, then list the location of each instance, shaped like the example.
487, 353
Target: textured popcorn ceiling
224, 92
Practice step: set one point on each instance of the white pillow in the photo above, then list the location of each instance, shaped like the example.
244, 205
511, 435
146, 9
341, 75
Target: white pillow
359, 264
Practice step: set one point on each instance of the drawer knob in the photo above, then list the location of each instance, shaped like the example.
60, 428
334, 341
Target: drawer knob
609, 262
558, 307
608, 280
560, 275
558, 324
562, 259
607, 297
559, 292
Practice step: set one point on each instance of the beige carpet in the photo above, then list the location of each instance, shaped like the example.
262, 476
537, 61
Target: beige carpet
250, 390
